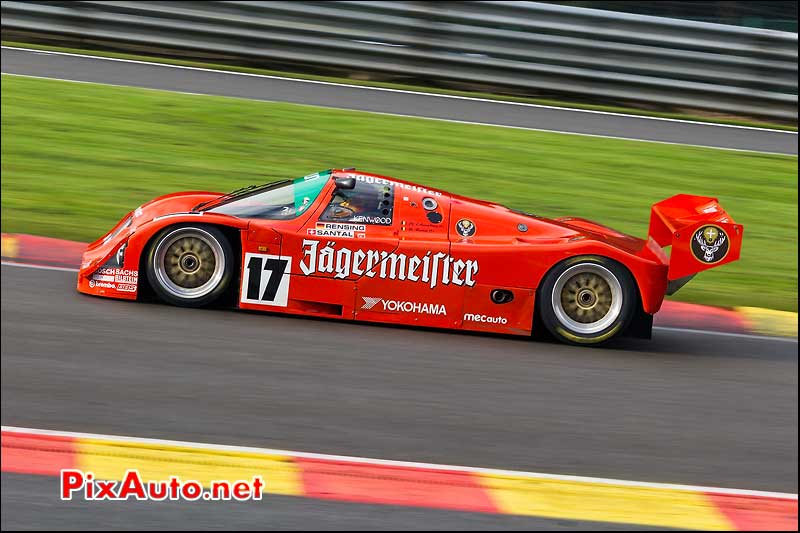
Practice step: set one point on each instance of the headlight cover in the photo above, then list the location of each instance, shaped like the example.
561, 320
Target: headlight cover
117, 231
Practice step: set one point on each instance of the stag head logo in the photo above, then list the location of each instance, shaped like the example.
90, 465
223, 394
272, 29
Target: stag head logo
465, 228
710, 244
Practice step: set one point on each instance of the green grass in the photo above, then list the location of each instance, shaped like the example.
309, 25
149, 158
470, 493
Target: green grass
433, 90
77, 157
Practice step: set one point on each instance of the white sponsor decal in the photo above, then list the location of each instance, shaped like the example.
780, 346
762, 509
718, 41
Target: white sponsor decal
403, 307
333, 229
369, 219
93, 283
118, 272
109, 277
469, 317
382, 181
370, 302
431, 268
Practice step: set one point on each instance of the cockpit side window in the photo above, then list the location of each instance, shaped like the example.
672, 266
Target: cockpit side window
367, 203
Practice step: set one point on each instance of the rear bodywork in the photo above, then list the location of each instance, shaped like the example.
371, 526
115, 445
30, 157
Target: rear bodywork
435, 261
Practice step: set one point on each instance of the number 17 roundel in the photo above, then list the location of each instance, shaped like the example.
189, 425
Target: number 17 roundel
266, 279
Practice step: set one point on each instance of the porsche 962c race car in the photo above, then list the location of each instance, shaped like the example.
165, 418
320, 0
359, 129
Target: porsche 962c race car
358, 246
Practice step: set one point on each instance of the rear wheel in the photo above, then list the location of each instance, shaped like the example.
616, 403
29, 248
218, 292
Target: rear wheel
190, 266
587, 300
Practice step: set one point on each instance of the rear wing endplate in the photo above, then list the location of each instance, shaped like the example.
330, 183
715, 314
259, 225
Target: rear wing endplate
701, 233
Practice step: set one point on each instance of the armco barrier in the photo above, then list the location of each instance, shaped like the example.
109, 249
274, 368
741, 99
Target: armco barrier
46, 251
540, 47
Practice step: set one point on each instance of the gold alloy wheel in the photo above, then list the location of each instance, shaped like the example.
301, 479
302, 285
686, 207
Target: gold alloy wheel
587, 298
189, 263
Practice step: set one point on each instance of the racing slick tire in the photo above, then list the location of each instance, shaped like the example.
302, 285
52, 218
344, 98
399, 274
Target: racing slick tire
190, 265
587, 300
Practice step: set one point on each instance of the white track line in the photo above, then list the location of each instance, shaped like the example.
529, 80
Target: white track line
455, 121
402, 91
406, 464
39, 267
661, 328
727, 334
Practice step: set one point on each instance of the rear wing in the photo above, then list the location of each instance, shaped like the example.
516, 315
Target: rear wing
701, 233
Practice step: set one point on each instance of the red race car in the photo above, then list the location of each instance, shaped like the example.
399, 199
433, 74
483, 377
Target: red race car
359, 246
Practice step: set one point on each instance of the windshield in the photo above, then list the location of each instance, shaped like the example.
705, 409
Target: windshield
283, 201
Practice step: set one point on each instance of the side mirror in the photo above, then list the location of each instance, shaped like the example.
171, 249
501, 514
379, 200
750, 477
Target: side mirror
345, 183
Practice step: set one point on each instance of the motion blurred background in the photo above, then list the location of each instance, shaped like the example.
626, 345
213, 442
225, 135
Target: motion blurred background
76, 157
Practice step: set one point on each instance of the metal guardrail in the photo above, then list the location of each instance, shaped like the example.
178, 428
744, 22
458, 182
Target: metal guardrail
535, 46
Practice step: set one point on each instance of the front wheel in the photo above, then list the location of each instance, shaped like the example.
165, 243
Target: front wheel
587, 300
190, 266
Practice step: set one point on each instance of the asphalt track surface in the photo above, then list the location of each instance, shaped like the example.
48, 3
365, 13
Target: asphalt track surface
154, 76
691, 408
